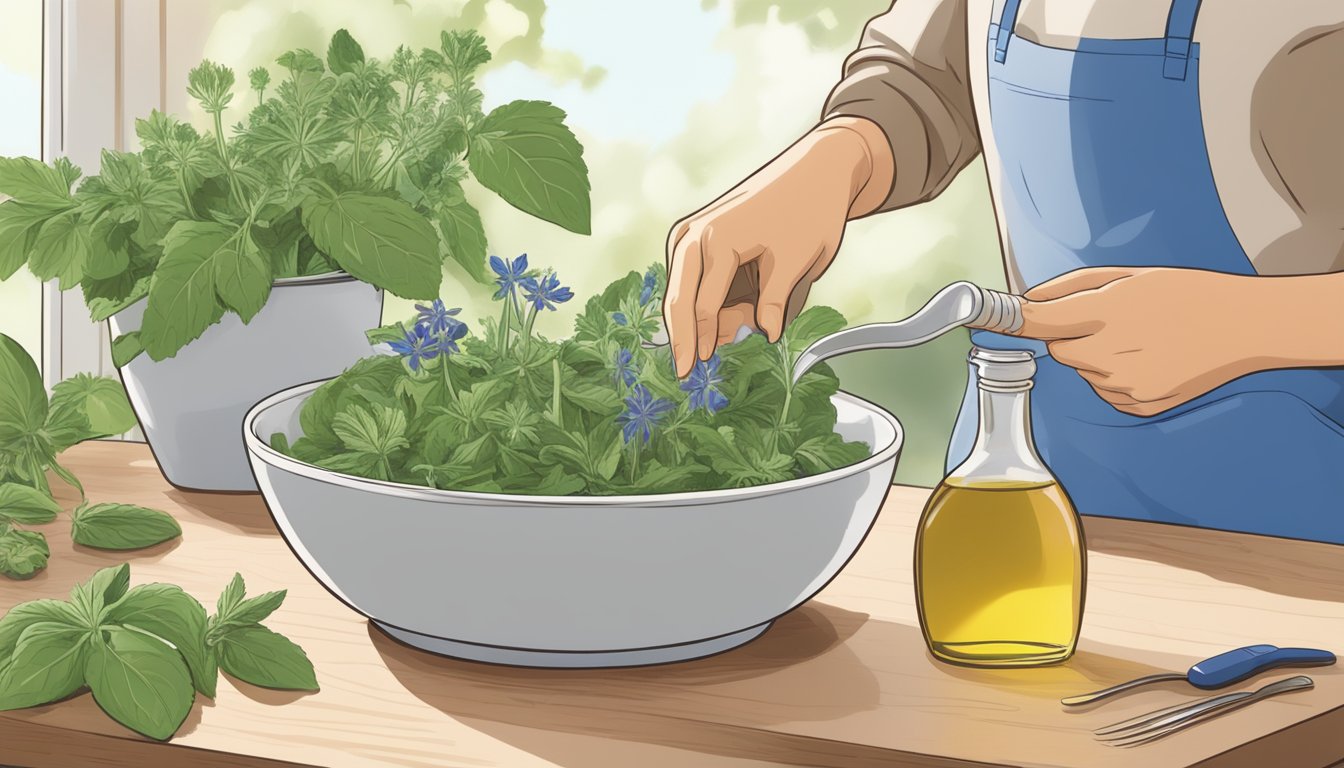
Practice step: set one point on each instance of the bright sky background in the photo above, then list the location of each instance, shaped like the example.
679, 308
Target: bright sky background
20, 134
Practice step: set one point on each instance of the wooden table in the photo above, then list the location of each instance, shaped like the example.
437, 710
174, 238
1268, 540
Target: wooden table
843, 681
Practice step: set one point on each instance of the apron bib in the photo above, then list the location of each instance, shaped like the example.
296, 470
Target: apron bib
1104, 163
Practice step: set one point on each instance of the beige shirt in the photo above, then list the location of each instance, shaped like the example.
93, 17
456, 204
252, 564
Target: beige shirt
1271, 93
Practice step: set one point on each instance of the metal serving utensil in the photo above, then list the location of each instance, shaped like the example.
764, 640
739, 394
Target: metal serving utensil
959, 304
1163, 722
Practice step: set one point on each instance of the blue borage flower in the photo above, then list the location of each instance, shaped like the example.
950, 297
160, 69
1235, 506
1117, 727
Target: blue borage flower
436, 316
626, 370
447, 341
546, 292
646, 292
620, 318
702, 385
418, 346
642, 413
510, 273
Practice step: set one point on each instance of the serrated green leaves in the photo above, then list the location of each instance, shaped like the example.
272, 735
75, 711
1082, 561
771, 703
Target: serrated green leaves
19, 225
242, 278
523, 152
379, 240
139, 681
35, 182
122, 526
22, 553
343, 54
60, 251
100, 399
464, 236
182, 300
142, 652
21, 504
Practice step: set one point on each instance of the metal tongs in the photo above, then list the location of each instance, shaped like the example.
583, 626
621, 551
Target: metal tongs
1163, 722
958, 305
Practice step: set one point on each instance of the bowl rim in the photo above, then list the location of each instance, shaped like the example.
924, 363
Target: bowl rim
259, 449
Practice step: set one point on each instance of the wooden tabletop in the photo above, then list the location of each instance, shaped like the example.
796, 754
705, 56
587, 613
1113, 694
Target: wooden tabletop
844, 680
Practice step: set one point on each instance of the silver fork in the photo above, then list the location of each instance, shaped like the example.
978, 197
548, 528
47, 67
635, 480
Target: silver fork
1163, 722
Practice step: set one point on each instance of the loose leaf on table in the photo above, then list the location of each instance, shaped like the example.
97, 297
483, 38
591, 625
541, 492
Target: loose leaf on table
104, 588
379, 240
122, 526
253, 610
24, 615
22, 553
21, 504
47, 664
182, 300
168, 612
231, 596
102, 401
140, 681
261, 657
523, 152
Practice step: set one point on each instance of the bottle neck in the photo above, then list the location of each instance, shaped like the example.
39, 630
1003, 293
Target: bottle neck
1004, 450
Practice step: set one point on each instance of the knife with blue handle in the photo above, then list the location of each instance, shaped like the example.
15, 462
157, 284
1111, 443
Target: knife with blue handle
1222, 670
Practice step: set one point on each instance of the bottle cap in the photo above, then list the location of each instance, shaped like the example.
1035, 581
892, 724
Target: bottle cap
1003, 370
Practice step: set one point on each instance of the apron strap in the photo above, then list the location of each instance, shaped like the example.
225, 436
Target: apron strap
1180, 31
1007, 20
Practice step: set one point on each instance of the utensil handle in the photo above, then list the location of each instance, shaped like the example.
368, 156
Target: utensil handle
1088, 698
1242, 663
999, 312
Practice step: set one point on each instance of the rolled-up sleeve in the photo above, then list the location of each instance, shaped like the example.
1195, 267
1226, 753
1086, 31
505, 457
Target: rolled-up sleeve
909, 76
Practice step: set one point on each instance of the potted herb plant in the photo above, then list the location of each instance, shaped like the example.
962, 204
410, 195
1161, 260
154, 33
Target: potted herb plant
620, 515
230, 264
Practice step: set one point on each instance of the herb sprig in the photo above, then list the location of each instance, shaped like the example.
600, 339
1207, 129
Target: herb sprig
143, 652
504, 409
348, 163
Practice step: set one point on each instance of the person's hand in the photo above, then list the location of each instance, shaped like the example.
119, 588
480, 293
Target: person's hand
1149, 339
750, 257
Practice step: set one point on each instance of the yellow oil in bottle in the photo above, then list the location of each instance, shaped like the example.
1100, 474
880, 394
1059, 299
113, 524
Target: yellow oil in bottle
999, 572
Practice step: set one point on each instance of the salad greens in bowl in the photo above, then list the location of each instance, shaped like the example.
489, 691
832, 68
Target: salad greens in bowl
491, 494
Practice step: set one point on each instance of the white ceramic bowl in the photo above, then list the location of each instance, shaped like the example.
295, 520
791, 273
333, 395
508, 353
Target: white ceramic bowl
566, 581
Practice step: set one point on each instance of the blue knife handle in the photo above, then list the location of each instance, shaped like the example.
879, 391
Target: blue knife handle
1235, 666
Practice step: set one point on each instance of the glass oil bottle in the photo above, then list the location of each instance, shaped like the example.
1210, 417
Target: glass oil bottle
1000, 563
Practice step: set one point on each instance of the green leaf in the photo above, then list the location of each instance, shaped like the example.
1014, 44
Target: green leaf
122, 526
21, 504
242, 278
343, 53
523, 152
105, 587
182, 299
101, 399
379, 240
261, 657
464, 238
139, 681
126, 348
589, 395
109, 239
22, 553
24, 615
23, 401
810, 325
47, 665
60, 251
827, 452
32, 181
173, 615
19, 225
109, 296
253, 610
231, 596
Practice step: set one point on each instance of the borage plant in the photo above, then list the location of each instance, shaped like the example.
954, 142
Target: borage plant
350, 164
508, 410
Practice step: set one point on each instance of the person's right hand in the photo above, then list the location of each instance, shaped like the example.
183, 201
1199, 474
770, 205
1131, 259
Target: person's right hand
750, 257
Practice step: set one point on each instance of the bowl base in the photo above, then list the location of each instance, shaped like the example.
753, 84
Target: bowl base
521, 657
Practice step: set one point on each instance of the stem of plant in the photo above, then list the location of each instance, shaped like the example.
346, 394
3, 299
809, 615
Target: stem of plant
448, 377
355, 170
234, 193
186, 198
634, 459
555, 392
504, 323
527, 328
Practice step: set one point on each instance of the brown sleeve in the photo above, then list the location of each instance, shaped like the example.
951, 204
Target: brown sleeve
909, 76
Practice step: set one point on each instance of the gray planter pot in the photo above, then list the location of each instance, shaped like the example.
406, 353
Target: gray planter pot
191, 406
572, 581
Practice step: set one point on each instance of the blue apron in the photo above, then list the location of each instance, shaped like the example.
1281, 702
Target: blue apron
1104, 163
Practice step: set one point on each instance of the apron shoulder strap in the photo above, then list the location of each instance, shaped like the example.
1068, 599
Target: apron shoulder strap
1007, 20
1180, 31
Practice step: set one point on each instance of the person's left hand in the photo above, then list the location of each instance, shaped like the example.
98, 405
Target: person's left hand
1146, 339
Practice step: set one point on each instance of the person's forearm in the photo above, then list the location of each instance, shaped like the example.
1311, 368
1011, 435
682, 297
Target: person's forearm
1291, 322
860, 148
